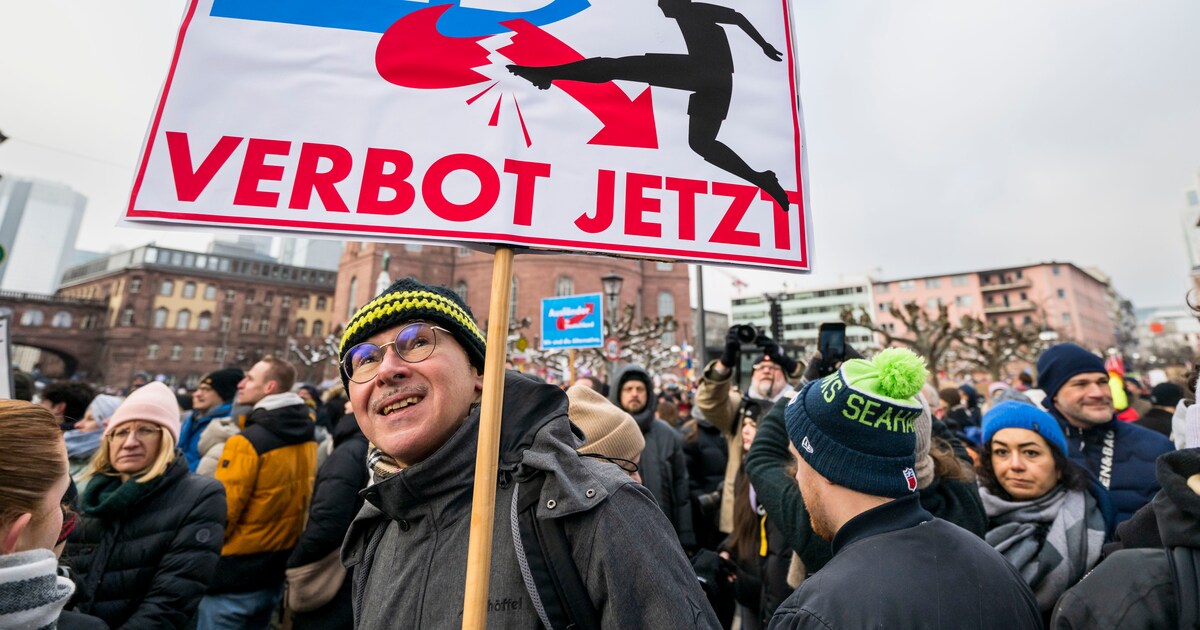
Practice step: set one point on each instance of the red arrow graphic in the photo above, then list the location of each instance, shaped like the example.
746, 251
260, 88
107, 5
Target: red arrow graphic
563, 322
627, 123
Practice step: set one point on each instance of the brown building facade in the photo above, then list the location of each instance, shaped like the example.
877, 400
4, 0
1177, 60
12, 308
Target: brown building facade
655, 289
182, 314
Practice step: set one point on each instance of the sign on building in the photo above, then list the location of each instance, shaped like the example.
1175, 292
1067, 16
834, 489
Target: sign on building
666, 130
573, 321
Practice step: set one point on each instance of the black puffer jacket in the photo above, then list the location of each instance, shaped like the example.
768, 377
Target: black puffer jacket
335, 502
706, 451
147, 552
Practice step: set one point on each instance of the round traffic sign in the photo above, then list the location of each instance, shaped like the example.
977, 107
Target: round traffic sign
612, 349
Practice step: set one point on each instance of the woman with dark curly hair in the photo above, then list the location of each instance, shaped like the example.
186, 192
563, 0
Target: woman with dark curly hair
1047, 516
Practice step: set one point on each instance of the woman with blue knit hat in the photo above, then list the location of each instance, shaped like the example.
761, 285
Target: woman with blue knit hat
1046, 515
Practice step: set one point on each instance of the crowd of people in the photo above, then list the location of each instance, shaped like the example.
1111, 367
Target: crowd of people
825, 494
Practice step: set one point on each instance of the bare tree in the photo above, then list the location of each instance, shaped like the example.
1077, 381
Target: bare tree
927, 335
992, 347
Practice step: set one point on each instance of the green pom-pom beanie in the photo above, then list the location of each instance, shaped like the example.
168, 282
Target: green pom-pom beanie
855, 426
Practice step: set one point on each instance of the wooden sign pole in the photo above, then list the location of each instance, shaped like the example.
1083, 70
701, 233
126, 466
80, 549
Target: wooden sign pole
487, 456
571, 367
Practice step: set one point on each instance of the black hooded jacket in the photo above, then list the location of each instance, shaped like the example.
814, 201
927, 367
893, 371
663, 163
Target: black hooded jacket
663, 466
1135, 587
335, 501
335, 498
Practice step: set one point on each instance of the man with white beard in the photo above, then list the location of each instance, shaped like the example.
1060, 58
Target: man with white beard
773, 378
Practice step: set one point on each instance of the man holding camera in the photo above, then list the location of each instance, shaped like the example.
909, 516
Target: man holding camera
772, 379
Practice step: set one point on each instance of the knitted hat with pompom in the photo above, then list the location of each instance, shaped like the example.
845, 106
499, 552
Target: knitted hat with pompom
856, 426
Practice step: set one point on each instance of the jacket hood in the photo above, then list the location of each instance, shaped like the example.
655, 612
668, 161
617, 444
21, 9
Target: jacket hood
645, 418
275, 401
293, 424
1177, 506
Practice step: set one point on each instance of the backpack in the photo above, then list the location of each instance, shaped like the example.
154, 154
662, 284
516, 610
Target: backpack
558, 592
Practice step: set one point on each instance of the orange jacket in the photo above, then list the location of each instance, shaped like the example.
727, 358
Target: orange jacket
268, 473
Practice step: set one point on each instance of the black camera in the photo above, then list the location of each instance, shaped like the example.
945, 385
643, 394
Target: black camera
749, 334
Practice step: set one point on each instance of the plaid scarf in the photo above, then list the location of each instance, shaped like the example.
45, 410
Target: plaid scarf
32, 595
380, 464
1052, 541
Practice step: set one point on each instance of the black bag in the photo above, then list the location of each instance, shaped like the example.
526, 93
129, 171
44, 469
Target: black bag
546, 552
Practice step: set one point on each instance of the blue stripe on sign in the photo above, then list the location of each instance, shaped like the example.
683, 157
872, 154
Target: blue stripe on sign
375, 16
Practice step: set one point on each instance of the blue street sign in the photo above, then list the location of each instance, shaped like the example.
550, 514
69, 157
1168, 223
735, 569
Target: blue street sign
573, 321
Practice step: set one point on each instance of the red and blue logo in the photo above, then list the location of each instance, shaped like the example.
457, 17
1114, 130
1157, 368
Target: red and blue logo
910, 477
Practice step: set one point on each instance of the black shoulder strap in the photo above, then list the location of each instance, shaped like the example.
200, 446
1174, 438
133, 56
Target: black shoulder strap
1185, 569
563, 594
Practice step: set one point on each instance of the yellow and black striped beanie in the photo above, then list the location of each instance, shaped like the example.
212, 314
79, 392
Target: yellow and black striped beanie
410, 300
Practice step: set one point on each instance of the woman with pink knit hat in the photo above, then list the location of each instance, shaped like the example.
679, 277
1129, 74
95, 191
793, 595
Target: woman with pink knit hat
150, 533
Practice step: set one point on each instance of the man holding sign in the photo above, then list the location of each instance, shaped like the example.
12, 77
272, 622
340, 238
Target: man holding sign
412, 362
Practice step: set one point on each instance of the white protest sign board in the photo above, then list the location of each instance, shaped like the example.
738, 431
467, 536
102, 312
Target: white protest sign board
665, 131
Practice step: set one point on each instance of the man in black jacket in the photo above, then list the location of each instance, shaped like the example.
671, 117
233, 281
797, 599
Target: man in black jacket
663, 466
1120, 454
335, 501
894, 565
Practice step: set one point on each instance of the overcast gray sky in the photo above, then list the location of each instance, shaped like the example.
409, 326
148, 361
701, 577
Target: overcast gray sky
942, 135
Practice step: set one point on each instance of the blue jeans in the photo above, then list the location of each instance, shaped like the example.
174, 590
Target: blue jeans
238, 611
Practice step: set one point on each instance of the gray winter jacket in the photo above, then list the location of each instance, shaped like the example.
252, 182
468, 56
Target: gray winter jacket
663, 465
408, 544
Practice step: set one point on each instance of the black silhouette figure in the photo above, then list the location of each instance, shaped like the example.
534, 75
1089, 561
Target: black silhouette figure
706, 71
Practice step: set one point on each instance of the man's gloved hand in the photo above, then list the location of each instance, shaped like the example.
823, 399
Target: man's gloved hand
772, 349
818, 367
729, 356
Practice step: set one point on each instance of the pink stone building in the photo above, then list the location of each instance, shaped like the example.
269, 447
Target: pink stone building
1056, 296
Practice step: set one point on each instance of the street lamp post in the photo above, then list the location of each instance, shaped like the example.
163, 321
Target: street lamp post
612, 290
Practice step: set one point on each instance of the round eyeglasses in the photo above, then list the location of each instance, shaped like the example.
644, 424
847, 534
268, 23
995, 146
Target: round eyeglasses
141, 434
414, 343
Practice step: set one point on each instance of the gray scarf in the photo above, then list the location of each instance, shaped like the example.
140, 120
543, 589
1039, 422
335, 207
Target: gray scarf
32, 594
1052, 541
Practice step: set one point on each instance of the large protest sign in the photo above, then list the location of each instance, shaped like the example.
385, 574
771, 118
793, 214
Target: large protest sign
668, 130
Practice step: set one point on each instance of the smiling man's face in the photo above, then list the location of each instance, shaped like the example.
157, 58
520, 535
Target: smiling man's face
408, 410
1085, 400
